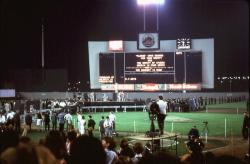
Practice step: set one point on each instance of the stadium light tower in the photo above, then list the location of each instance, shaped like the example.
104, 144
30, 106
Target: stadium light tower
150, 2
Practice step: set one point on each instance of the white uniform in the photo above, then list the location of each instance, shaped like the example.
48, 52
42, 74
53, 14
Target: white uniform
162, 106
10, 115
108, 127
68, 118
82, 127
79, 117
112, 117
2, 119
7, 107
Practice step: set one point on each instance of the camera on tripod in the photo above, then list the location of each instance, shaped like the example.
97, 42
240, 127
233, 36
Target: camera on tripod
153, 110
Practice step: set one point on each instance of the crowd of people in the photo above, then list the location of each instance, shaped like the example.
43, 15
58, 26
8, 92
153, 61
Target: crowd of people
174, 104
61, 147
62, 120
73, 140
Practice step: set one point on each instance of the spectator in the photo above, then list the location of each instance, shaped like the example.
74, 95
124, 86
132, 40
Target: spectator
28, 154
24, 140
159, 158
2, 119
56, 143
61, 121
87, 149
82, 123
125, 150
79, 117
46, 121
138, 149
112, 118
101, 127
28, 120
39, 121
245, 126
71, 136
111, 155
108, 127
54, 121
91, 125
147, 149
17, 122
192, 159
8, 138
10, 117
68, 119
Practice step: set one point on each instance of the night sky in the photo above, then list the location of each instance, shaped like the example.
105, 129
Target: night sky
69, 25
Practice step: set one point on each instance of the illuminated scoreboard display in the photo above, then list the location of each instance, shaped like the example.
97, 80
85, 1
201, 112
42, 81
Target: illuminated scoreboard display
150, 67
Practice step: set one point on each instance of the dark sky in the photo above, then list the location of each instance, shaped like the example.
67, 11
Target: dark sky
70, 24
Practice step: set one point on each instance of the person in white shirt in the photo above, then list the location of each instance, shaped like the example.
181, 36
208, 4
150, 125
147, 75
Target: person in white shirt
162, 114
10, 115
7, 107
68, 118
105, 97
79, 117
112, 118
82, 123
118, 96
92, 96
122, 95
108, 127
2, 119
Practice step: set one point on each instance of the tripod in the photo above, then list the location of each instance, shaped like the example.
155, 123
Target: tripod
205, 127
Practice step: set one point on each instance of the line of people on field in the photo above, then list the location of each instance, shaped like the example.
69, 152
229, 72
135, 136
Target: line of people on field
107, 125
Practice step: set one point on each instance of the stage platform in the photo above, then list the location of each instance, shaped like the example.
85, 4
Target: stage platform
99, 106
167, 140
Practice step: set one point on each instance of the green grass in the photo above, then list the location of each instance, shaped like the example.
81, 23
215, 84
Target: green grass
235, 105
127, 123
139, 122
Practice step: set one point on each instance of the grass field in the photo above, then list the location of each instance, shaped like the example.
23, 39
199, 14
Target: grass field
138, 122
240, 105
132, 123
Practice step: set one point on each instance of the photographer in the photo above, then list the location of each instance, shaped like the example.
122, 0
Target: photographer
195, 145
193, 132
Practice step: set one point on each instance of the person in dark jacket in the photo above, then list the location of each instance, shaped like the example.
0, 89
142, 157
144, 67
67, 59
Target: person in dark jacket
17, 122
245, 126
91, 125
125, 149
28, 119
54, 121
46, 121
61, 121
193, 132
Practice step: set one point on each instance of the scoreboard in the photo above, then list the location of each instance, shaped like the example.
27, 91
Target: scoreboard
150, 67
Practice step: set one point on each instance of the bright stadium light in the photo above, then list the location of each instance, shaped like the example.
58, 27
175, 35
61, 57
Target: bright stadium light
149, 2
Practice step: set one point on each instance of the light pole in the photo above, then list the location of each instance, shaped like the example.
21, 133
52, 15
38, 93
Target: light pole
150, 2
230, 85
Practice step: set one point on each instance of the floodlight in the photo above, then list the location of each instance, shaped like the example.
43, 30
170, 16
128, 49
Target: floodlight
150, 2
116, 45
